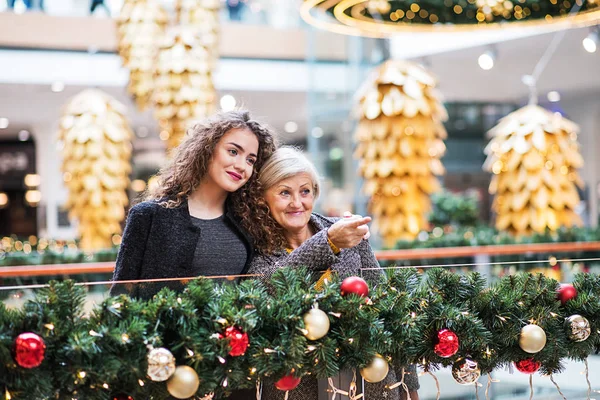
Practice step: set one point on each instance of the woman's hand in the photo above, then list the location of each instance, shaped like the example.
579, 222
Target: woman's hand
349, 231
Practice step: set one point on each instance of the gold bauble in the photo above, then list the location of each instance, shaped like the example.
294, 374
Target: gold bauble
532, 339
161, 364
184, 383
316, 323
466, 371
376, 371
579, 328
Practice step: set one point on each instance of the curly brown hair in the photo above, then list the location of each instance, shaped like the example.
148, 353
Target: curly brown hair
190, 161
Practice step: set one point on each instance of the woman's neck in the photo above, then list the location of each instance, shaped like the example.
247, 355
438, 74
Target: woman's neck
207, 202
295, 239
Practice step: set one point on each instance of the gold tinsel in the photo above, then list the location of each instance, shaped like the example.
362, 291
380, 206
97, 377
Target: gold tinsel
96, 141
534, 156
184, 90
400, 142
140, 26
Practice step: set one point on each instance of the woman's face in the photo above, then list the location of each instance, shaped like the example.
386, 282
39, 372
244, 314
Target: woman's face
233, 159
291, 202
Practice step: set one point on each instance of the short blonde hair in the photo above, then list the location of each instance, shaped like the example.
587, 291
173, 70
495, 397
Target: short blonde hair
284, 163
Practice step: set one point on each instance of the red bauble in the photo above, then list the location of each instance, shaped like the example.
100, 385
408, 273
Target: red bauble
566, 292
528, 366
446, 343
122, 396
29, 350
238, 341
356, 285
288, 382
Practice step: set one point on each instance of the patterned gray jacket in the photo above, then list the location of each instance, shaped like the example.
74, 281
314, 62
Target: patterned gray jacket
316, 254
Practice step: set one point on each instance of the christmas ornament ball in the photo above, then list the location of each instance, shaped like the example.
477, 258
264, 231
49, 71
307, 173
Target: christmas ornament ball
532, 338
316, 323
528, 366
122, 396
184, 383
161, 364
29, 350
376, 371
446, 343
288, 382
466, 371
238, 341
566, 292
579, 328
356, 285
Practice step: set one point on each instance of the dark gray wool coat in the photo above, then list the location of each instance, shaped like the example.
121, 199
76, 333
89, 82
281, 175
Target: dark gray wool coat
317, 255
160, 242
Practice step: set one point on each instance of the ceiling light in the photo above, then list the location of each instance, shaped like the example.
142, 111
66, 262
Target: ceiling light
57, 87
487, 59
3, 199
553, 96
317, 132
23, 135
590, 43
32, 180
291, 127
3, 123
33, 197
227, 102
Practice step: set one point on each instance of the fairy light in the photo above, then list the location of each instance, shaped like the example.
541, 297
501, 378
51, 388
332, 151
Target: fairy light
311, 348
221, 360
190, 353
105, 385
49, 326
140, 382
225, 383
82, 374
179, 300
252, 371
125, 338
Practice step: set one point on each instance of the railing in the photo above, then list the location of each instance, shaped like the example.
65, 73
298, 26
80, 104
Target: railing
382, 255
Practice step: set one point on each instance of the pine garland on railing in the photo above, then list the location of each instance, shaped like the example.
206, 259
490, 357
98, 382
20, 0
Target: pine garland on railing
233, 334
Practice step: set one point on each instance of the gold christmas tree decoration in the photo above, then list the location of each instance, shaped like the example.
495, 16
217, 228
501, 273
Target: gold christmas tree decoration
140, 26
534, 156
184, 90
96, 149
202, 15
400, 142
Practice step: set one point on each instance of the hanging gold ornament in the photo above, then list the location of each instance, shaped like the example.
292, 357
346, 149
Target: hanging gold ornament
532, 339
184, 92
184, 383
96, 149
400, 142
466, 371
161, 364
376, 371
316, 323
534, 156
203, 16
140, 26
579, 328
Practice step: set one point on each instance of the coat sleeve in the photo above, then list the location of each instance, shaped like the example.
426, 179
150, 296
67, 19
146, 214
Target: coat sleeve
133, 246
367, 261
315, 254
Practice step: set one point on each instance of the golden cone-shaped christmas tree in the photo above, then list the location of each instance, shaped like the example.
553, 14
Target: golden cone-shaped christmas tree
140, 26
534, 156
184, 90
400, 142
96, 149
203, 16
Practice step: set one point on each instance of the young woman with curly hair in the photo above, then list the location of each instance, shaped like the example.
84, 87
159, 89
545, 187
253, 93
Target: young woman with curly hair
190, 225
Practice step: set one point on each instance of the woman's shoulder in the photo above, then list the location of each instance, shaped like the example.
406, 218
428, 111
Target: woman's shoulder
322, 220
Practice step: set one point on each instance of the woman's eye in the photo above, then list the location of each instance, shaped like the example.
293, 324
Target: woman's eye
284, 193
251, 161
233, 152
306, 192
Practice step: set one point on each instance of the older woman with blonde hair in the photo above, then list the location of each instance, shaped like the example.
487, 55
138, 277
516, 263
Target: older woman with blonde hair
288, 233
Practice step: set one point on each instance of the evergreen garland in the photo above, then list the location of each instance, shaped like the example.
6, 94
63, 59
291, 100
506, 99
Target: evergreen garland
105, 353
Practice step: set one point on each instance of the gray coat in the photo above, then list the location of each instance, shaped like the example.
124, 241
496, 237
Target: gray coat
316, 254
